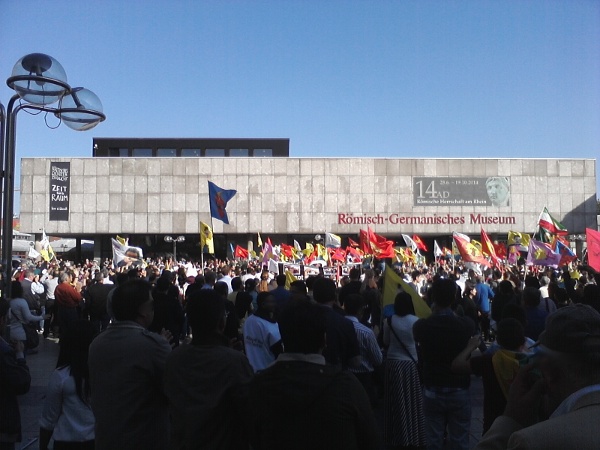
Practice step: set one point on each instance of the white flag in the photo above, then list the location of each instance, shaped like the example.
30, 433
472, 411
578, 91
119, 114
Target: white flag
273, 267
33, 253
297, 246
409, 242
437, 251
332, 240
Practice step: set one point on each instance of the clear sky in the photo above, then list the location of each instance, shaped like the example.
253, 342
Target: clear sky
339, 78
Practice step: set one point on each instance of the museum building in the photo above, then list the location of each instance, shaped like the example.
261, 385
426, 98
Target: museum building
151, 188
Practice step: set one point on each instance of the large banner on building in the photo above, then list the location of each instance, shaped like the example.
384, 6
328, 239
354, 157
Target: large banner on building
461, 191
60, 182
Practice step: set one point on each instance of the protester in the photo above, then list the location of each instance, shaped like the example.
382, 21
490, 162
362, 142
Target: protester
342, 345
300, 402
168, 312
371, 356
262, 340
203, 381
96, 299
127, 365
497, 369
404, 422
67, 416
68, 301
19, 315
446, 400
16, 380
565, 381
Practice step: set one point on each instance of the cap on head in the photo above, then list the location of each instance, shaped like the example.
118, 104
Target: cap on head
574, 331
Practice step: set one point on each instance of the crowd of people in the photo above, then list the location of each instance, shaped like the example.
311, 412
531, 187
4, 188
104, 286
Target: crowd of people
229, 355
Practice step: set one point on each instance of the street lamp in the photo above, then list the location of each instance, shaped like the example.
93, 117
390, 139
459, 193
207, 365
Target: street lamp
174, 241
39, 81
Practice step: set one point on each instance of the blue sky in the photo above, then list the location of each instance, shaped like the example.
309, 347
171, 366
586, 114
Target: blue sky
339, 78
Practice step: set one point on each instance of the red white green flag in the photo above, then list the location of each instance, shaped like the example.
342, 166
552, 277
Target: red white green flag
550, 224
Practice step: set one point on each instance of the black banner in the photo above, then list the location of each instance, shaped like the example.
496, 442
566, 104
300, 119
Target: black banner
461, 191
60, 176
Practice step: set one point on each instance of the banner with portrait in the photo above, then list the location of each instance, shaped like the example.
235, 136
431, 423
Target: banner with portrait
125, 255
461, 191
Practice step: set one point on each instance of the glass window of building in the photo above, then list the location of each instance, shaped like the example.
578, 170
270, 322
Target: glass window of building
264, 152
123, 152
166, 152
215, 152
239, 152
190, 152
142, 152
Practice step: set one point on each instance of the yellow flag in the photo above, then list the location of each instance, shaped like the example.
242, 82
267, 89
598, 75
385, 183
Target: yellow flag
289, 279
391, 282
122, 240
309, 249
206, 238
521, 239
322, 252
259, 241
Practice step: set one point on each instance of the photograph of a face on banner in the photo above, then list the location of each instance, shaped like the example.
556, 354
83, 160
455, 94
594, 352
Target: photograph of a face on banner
125, 255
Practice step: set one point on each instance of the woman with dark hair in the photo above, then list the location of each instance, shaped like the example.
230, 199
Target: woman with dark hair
19, 314
404, 423
67, 415
504, 296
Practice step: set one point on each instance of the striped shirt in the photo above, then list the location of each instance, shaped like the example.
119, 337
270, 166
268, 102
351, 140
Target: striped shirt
370, 352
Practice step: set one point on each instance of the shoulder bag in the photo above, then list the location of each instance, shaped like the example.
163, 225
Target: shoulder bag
389, 321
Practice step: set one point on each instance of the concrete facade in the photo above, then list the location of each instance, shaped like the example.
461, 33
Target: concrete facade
300, 195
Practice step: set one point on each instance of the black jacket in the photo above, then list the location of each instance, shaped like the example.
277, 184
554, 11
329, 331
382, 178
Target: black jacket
14, 380
302, 405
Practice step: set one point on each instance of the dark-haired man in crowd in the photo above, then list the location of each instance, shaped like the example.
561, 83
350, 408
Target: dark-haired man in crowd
300, 402
127, 364
353, 287
441, 337
203, 381
280, 293
342, 345
96, 299
371, 356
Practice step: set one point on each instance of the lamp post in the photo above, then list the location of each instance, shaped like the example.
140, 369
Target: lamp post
174, 241
39, 82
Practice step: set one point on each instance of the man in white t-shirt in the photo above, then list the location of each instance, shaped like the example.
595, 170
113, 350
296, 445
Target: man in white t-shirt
261, 334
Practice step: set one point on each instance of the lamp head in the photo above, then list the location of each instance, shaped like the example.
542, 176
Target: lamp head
80, 109
38, 79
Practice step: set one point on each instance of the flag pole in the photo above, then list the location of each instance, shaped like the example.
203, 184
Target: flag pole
212, 227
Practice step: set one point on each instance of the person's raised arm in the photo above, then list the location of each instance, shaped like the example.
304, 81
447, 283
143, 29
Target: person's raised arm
461, 364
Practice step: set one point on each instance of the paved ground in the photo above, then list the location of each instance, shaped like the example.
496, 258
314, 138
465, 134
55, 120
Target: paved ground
42, 363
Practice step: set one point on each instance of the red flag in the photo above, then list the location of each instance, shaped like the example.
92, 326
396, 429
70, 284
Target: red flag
310, 258
338, 254
488, 247
469, 252
287, 250
364, 242
352, 243
593, 248
386, 251
240, 252
380, 246
500, 250
420, 244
